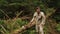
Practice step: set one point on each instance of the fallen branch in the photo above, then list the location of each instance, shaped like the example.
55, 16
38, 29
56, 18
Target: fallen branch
29, 25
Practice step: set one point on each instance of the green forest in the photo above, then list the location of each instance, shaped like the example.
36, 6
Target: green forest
17, 13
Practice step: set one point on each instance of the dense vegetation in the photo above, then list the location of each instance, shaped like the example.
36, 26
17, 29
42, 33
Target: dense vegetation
16, 13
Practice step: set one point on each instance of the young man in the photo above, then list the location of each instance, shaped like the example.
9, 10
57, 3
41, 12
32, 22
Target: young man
39, 18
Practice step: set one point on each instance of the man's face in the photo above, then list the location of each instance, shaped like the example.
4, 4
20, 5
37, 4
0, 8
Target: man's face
38, 9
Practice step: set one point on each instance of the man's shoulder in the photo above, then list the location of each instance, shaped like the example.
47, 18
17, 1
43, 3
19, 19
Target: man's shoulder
42, 12
35, 13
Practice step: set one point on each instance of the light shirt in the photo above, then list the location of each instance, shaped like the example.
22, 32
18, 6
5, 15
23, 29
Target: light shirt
37, 17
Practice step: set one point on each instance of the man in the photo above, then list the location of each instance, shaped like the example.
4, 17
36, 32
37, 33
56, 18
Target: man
39, 18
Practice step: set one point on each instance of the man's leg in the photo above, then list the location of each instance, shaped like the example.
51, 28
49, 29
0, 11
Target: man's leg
41, 29
37, 29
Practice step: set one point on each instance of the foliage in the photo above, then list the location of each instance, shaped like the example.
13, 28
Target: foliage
58, 27
10, 25
10, 9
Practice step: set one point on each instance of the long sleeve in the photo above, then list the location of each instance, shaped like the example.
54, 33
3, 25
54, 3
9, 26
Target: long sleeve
43, 18
34, 17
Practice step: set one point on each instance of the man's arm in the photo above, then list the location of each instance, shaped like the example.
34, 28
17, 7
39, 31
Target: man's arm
43, 18
34, 17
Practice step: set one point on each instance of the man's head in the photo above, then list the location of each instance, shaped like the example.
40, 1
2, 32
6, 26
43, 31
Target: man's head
38, 9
